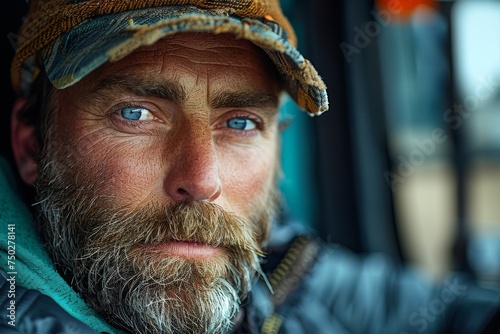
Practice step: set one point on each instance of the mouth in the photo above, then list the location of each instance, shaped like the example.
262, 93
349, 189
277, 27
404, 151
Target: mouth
191, 250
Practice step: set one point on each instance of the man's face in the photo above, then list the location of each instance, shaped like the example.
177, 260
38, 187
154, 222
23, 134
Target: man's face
158, 173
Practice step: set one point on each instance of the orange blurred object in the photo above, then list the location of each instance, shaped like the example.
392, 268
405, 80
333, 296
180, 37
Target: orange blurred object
404, 9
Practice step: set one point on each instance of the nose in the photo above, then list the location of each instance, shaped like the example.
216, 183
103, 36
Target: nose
194, 175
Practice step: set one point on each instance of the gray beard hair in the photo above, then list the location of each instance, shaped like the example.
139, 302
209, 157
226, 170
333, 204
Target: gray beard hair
137, 289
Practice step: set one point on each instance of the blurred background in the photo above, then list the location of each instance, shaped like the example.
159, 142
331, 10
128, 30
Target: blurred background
407, 160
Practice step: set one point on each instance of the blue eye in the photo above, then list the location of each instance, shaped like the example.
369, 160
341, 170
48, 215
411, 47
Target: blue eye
241, 124
136, 114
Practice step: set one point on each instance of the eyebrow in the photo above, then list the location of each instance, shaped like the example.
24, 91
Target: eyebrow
244, 100
167, 90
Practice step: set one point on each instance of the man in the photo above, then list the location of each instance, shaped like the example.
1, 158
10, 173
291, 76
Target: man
150, 131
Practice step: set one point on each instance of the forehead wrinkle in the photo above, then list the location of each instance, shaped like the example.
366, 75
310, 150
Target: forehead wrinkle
164, 89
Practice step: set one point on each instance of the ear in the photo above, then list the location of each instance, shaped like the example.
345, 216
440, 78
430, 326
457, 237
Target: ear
24, 144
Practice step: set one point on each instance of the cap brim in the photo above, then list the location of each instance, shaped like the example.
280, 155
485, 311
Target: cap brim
92, 43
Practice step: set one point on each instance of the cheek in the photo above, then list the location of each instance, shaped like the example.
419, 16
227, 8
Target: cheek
247, 178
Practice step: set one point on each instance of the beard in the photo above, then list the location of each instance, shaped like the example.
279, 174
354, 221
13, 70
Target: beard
107, 253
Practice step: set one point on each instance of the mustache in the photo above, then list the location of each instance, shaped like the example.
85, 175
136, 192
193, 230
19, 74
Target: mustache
197, 222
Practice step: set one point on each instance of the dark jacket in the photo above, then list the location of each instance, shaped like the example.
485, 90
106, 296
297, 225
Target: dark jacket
344, 292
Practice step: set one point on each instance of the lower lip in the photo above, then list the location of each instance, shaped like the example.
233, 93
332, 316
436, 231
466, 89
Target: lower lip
186, 249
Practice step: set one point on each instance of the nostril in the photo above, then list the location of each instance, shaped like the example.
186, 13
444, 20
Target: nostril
182, 191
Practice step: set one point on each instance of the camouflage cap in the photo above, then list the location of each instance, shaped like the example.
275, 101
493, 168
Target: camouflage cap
74, 37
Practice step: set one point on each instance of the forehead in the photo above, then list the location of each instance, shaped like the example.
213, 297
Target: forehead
212, 57
216, 47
